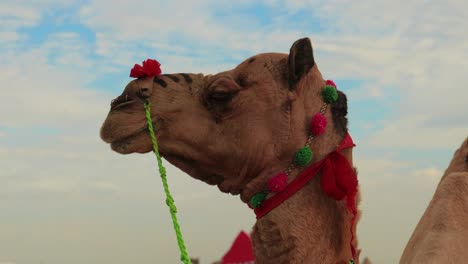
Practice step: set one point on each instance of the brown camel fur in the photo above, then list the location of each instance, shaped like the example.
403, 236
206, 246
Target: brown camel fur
441, 235
235, 129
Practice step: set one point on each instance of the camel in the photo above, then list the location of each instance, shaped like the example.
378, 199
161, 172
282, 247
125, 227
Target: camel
255, 131
441, 236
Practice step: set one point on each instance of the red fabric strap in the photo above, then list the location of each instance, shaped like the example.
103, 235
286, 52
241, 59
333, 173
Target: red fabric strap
335, 163
338, 181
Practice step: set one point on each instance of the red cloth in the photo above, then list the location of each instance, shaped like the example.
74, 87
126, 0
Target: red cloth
338, 181
240, 252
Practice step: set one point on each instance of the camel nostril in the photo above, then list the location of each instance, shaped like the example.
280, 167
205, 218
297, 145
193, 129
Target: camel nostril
121, 101
115, 101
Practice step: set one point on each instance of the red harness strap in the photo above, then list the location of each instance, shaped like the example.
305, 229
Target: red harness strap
338, 181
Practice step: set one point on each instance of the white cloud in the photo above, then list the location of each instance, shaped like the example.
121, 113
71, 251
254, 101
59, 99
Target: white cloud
430, 172
26, 13
43, 94
6, 36
414, 54
402, 61
18, 16
411, 132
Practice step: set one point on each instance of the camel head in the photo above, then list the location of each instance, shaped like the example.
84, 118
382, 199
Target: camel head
232, 129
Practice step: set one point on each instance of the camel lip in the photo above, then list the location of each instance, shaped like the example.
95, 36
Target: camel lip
122, 145
126, 137
111, 139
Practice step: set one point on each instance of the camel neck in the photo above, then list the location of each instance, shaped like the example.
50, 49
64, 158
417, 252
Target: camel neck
304, 214
310, 227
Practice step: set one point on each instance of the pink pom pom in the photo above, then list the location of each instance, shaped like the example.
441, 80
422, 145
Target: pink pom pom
278, 182
318, 124
330, 82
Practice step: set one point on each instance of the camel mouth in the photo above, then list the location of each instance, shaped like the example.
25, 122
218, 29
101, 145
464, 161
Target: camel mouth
120, 138
130, 143
139, 141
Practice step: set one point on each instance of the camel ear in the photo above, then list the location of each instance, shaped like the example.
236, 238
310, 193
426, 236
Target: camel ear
300, 61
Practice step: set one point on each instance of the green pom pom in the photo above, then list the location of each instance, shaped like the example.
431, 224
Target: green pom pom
329, 94
257, 199
303, 156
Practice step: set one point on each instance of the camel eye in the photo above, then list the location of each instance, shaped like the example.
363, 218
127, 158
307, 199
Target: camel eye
221, 97
220, 93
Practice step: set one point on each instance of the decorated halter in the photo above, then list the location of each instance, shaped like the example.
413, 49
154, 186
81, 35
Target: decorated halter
151, 68
338, 180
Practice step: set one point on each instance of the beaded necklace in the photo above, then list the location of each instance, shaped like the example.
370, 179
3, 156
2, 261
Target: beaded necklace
338, 181
304, 155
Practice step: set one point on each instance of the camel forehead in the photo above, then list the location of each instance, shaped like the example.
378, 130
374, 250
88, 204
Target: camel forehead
259, 60
145, 82
256, 64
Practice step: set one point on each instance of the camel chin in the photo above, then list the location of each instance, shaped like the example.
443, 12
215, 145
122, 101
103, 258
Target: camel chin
137, 143
141, 143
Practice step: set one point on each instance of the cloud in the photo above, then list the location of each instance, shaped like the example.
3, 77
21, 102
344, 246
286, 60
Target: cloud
26, 13
402, 61
45, 85
430, 172
56, 172
411, 132
19, 16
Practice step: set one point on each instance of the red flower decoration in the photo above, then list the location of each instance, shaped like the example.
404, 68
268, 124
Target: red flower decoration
330, 82
318, 124
150, 68
278, 182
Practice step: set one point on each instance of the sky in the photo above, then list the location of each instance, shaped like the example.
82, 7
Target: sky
65, 197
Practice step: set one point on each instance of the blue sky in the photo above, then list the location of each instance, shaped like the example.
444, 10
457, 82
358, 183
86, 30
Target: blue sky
66, 198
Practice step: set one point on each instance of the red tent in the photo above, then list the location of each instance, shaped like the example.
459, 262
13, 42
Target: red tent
241, 251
